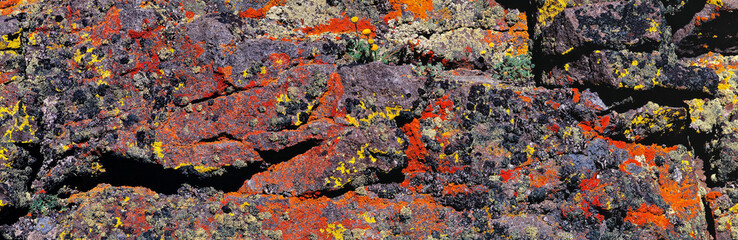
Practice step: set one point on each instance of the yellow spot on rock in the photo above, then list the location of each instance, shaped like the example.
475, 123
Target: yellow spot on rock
567, 51
204, 169
243, 206
3, 153
530, 150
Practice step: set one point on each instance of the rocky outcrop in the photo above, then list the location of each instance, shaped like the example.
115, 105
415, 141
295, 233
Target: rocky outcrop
360, 120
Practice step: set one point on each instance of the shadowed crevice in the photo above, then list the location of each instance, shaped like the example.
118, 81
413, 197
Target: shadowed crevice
125, 171
287, 153
709, 218
220, 137
622, 100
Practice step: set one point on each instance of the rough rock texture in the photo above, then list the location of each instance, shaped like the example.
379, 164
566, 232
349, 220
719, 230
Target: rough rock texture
322, 119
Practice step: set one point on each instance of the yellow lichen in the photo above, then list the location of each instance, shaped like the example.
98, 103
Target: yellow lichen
97, 167
335, 229
20, 124
654, 26
367, 216
718, 3
567, 51
79, 55
118, 223
389, 114
549, 10
158, 150
8, 43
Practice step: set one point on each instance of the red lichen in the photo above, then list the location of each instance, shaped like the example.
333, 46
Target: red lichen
589, 183
107, 28
329, 101
416, 151
507, 174
576, 94
441, 107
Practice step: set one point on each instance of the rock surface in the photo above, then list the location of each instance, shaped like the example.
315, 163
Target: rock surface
281, 119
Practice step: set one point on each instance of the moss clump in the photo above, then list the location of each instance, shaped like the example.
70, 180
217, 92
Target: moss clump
515, 68
44, 203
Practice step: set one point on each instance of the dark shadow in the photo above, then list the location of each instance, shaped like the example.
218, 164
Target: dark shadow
124, 171
287, 153
683, 17
709, 218
393, 176
622, 100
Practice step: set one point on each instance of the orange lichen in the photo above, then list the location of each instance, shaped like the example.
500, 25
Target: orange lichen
453, 189
601, 124
521, 97
8, 6
342, 25
647, 214
110, 26
419, 8
261, 12
541, 179
7, 76
712, 196
683, 198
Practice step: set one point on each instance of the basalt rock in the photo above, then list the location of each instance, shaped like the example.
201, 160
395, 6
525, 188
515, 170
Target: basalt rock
365, 120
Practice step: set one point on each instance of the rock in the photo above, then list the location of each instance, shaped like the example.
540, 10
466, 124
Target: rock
614, 25
632, 70
713, 29
283, 119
